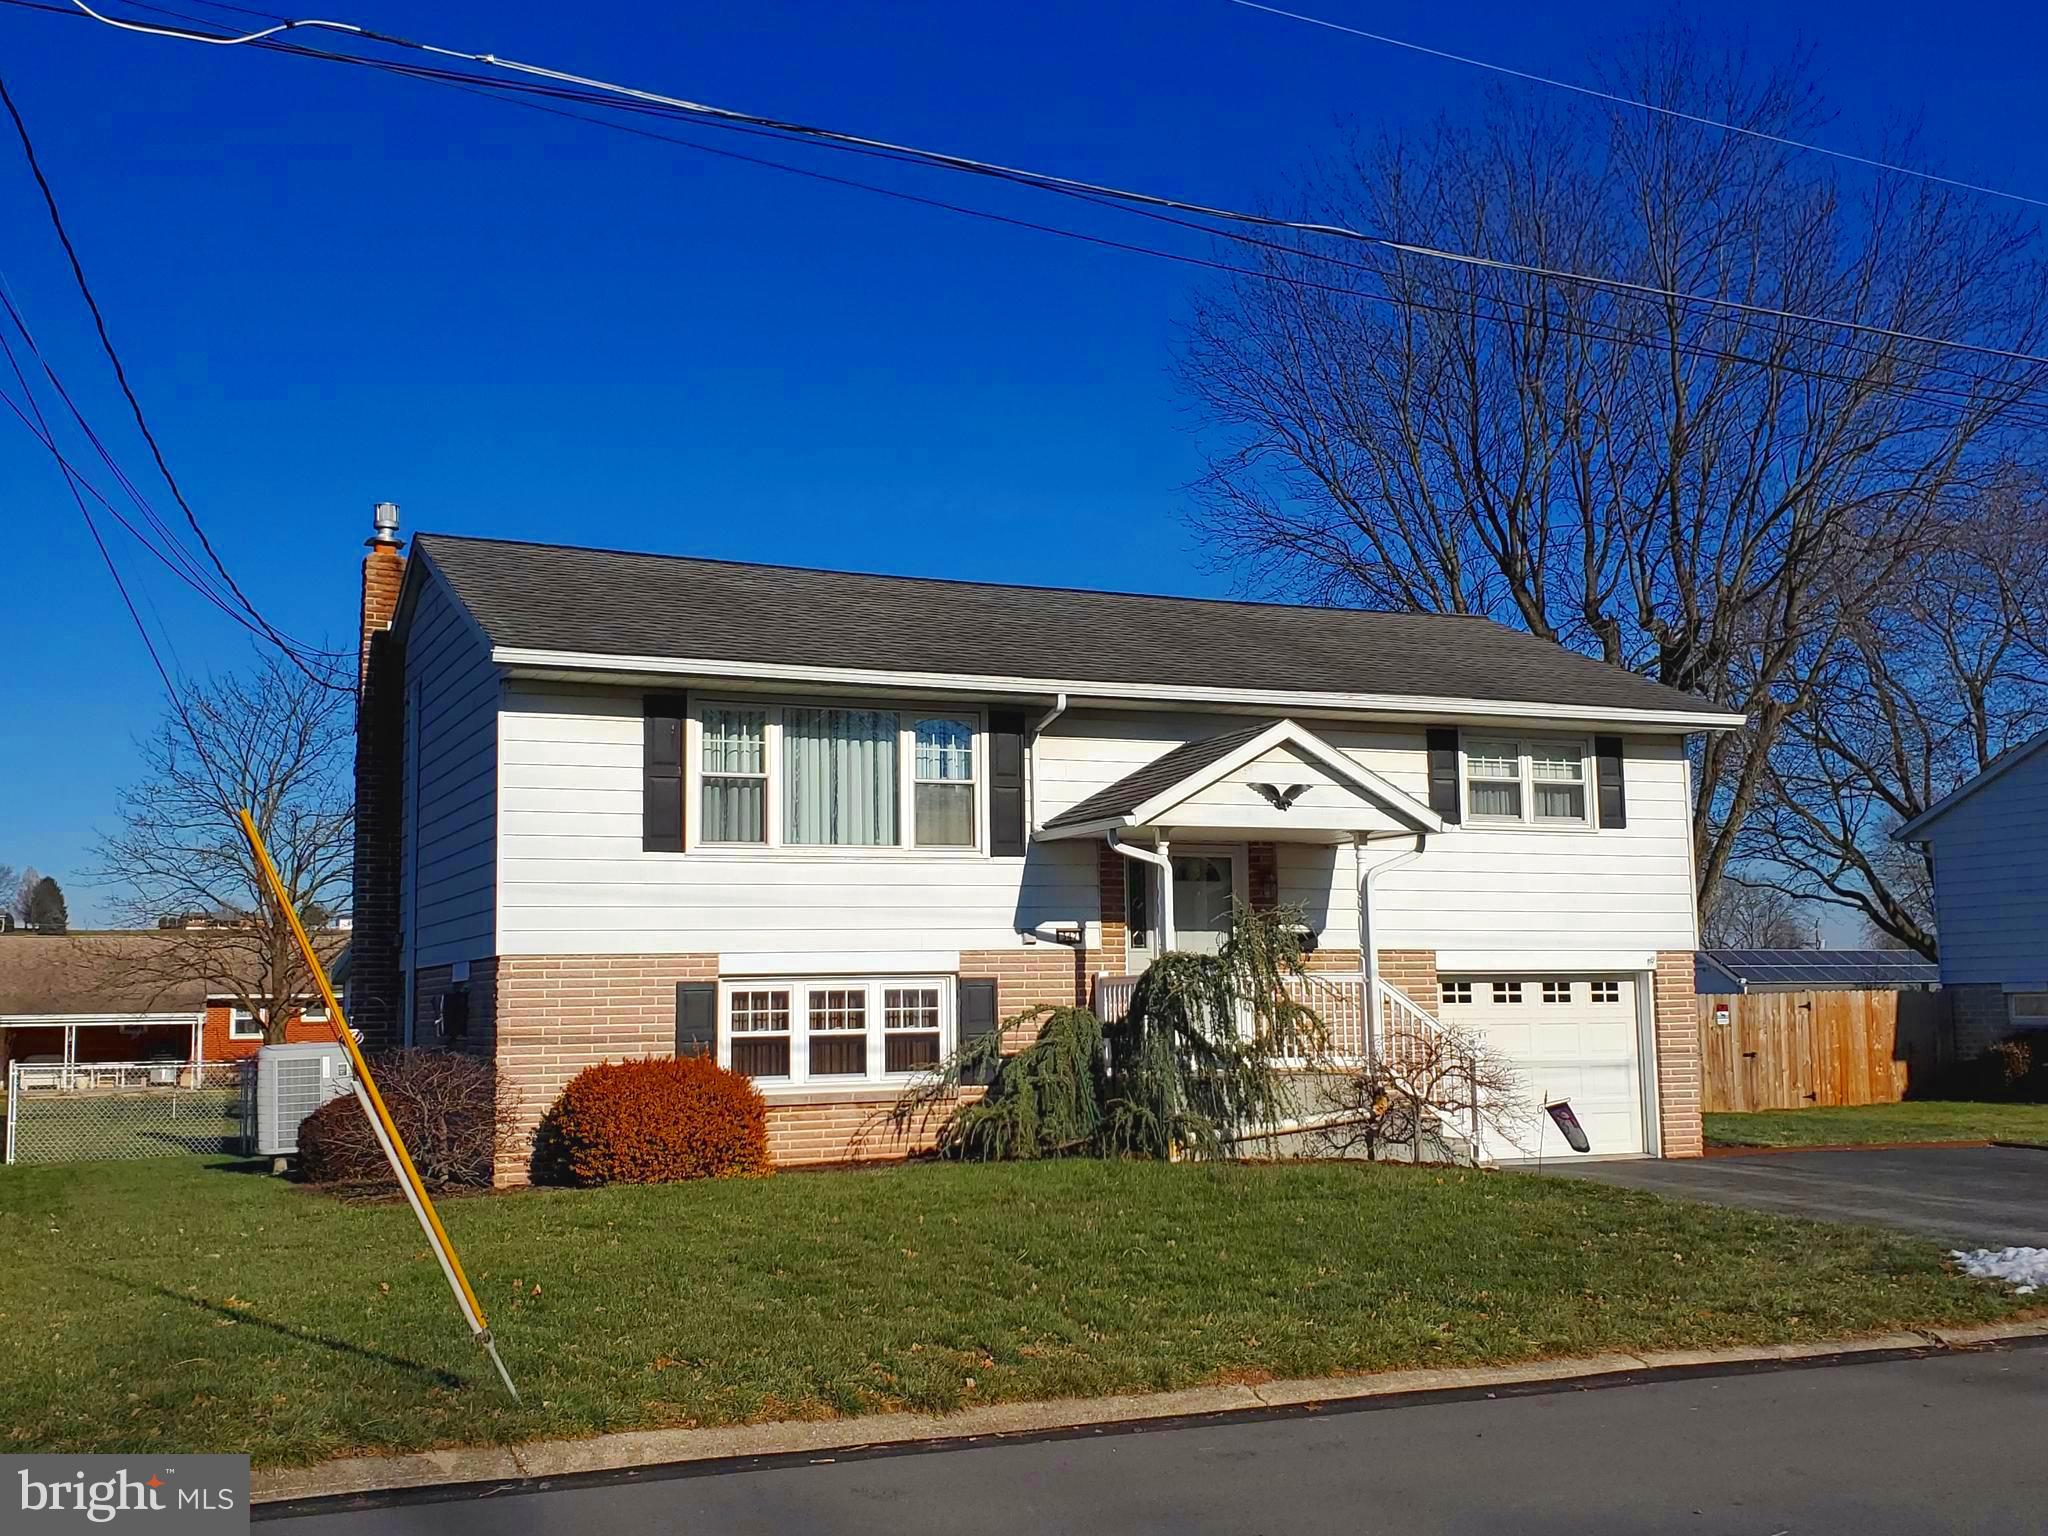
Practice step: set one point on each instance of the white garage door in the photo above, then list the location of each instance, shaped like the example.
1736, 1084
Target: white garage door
1569, 1037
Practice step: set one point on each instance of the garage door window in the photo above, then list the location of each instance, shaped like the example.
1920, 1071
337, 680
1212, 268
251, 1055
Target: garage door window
1557, 992
1458, 993
1507, 992
1606, 991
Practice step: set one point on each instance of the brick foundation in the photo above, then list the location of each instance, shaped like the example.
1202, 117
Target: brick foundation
1678, 1055
1112, 869
556, 1015
1982, 1016
1029, 976
1412, 971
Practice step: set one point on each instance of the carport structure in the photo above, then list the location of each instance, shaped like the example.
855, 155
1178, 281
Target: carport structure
76, 1002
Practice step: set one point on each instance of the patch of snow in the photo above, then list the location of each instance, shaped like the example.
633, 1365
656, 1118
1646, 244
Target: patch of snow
2026, 1268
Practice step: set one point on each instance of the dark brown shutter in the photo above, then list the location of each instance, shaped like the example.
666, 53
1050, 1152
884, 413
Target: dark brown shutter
1006, 783
1443, 773
661, 784
1613, 798
696, 1018
975, 1007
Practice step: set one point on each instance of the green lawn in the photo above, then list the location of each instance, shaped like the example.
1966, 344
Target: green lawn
1864, 1124
188, 1305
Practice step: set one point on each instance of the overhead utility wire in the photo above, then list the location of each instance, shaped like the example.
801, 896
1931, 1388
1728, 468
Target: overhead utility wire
282, 642
1645, 106
516, 92
1047, 179
1925, 394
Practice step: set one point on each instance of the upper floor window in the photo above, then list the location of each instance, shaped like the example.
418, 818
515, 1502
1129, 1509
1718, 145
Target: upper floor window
822, 776
1535, 782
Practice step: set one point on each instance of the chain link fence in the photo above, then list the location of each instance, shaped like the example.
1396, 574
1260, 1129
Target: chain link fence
64, 1114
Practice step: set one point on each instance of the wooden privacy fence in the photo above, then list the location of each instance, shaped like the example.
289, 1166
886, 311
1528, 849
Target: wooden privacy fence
1794, 1050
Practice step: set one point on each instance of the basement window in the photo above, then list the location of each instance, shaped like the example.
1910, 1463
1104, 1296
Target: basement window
835, 1031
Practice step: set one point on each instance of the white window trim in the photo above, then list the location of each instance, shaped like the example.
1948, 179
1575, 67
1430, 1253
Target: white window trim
236, 1031
1528, 821
907, 715
800, 1083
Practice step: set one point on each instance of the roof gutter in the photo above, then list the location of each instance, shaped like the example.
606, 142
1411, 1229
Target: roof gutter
1382, 705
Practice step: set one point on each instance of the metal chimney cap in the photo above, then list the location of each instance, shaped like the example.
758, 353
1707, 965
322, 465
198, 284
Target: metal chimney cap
384, 517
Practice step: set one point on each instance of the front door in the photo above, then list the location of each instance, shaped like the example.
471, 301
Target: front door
1203, 884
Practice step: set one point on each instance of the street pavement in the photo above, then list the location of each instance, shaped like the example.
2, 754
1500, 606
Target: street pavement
1942, 1443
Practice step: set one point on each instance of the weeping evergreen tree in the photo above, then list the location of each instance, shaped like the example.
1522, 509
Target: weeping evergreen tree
1209, 1050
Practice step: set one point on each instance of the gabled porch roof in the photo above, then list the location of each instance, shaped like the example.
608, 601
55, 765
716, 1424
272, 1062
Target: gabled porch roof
1273, 777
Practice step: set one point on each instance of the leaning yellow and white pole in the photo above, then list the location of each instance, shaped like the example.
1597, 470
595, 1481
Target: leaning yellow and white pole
380, 1118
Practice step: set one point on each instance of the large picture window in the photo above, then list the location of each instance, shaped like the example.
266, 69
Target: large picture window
1532, 782
835, 1031
806, 776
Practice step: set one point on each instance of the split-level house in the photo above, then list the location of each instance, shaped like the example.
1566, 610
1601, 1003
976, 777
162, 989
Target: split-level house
828, 825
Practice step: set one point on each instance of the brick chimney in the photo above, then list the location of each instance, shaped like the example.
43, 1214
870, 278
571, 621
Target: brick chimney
376, 991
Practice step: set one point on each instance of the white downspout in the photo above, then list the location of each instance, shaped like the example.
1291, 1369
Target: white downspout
1059, 707
1162, 860
1368, 926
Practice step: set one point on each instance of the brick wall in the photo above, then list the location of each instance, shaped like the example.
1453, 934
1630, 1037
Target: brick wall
376, 988
428, 986
1982, 1016
218, 1044
556, 1015
1112, 869
1262, 876
1678, 1054
1412, 971
1334, 960
1030, 975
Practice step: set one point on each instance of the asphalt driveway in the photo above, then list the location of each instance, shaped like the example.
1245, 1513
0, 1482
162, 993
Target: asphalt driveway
1972, 1197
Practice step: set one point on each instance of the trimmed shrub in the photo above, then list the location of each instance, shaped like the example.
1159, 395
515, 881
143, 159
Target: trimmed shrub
449, 1107
652, 1121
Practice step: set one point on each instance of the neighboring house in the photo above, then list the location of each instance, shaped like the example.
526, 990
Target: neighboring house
87, 999
1989, 839
827, 825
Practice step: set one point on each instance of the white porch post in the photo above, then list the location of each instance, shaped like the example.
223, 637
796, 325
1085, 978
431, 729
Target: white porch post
70, 1045
1166, 933
1368, 949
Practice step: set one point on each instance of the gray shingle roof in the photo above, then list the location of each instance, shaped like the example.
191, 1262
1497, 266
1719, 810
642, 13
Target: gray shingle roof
1141, 784
603, 602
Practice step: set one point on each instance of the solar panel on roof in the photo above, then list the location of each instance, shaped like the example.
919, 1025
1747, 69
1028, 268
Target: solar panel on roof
1826, 968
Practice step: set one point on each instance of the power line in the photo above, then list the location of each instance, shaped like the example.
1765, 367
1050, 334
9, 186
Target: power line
1043, 179
515, 93
134, 404
1644, 106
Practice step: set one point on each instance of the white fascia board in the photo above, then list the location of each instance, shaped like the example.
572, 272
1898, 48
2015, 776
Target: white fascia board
1286, 732
1537, 963
1081, 692
1081, 829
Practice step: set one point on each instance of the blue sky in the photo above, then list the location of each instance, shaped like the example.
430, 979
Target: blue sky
332, 286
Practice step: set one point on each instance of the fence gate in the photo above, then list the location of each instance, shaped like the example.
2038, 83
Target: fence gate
60, 1114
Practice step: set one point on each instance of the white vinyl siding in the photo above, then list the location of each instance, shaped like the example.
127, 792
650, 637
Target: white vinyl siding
449, 833
574, 880
1477, 888
1991, 881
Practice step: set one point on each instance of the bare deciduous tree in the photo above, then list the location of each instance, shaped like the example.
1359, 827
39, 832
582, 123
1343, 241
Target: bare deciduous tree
272, 740
1938, 674
1745, 916
1702, 488
1428, 1086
